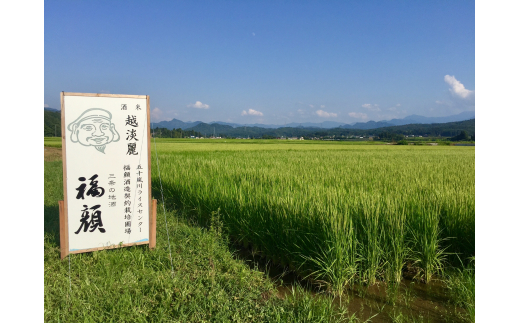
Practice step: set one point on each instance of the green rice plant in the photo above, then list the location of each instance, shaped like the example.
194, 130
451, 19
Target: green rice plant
315, 309
335, 262
427, 253
461, 285
370, 235
396, 250
398, 317
456, 225
392, 293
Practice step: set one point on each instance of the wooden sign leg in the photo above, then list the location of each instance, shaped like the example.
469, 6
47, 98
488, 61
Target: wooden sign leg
64, 231
153, 223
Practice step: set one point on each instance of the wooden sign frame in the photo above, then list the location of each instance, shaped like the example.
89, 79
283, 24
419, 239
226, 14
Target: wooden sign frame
63, 205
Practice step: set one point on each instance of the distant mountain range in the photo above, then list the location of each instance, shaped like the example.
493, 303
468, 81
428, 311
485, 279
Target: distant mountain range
448, 129
412, 119
411, 125
175, 124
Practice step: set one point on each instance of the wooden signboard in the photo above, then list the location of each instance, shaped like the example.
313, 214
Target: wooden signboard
106, 172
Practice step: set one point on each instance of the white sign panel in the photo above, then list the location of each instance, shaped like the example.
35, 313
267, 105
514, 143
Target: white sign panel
106, 161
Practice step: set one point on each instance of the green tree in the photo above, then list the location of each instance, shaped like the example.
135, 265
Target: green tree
463, 135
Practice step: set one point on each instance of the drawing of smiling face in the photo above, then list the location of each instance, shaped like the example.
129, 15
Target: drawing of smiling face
94, 127
95, 132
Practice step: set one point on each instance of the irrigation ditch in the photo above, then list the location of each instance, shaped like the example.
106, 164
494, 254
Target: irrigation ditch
411, 300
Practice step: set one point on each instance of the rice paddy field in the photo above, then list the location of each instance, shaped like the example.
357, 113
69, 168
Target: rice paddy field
338, 216
334, 212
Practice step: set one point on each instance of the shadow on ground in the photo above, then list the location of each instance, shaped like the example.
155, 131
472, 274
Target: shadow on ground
51, 223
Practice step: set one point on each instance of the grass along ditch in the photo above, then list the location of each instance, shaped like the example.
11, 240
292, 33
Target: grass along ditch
291, 205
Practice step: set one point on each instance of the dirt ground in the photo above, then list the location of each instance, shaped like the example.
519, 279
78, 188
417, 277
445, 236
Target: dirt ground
52, 154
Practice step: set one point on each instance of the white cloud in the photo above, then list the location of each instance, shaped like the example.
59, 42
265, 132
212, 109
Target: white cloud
156, 114
255, 113
312, 106
371, 107
325, 114
45, 105
252, 112
458, 88
392, 115
253, 34
395, 107
322, 106
358, 115
198, 105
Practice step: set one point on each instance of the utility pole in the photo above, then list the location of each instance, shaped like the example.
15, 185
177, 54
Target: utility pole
55, 131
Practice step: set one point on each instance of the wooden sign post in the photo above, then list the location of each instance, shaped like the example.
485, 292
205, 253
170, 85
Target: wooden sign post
106, 173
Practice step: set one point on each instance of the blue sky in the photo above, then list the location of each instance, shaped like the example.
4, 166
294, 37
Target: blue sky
267, 61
